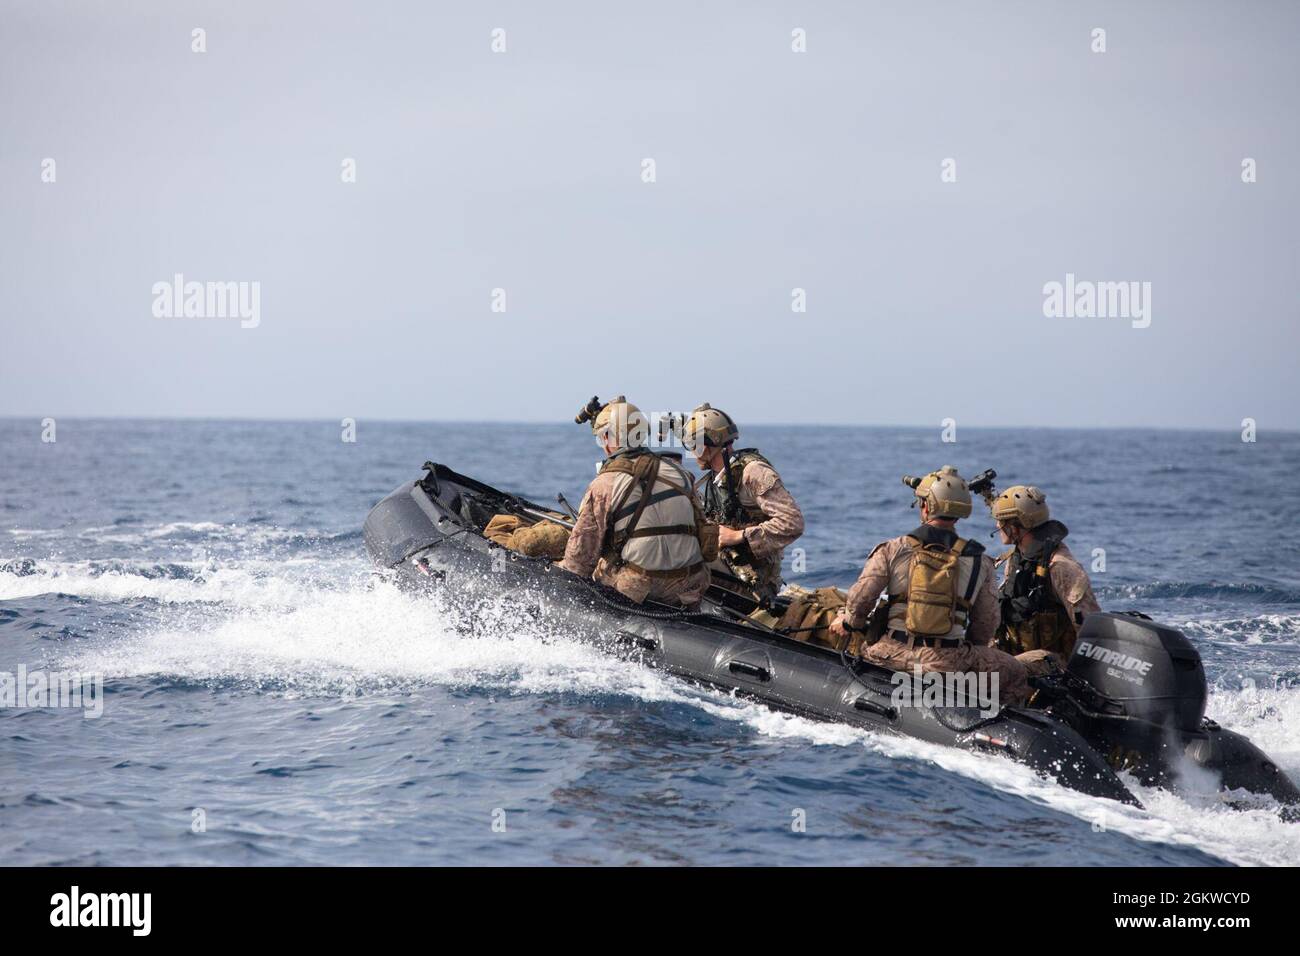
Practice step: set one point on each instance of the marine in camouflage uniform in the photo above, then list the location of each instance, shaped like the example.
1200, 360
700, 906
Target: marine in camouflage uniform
967, 646
1045, 594
743, 493
646, 546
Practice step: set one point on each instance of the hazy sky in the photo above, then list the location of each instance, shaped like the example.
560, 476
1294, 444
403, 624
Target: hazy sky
775, 170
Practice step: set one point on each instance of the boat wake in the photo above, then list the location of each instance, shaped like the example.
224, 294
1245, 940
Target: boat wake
333, 629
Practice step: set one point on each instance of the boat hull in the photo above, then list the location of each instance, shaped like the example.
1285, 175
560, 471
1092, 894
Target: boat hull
421, 533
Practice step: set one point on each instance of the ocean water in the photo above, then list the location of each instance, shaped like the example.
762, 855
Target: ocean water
261, 680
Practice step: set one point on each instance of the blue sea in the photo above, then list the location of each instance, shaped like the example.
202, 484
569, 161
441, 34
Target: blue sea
269, 700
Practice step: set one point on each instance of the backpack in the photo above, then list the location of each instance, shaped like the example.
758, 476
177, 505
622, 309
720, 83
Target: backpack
934, 607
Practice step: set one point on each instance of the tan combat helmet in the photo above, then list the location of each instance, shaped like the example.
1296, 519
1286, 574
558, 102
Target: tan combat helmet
709, 425
1021, 503
944, 493
623, 422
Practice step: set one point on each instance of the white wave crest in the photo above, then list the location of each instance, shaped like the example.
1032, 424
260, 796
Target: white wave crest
1255, 630
356, 640
247, 583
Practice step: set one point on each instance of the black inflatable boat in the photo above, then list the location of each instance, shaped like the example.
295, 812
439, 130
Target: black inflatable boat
1132, 697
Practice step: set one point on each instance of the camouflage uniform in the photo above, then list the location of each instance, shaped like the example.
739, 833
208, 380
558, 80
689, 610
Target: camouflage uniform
888, 570
1048, 637
583, 554
769, 517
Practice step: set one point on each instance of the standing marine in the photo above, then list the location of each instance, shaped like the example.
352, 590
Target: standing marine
744, 494
639, 528
1045, 592
942, 607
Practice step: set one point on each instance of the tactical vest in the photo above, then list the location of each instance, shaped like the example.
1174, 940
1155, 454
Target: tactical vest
1033, 616
933, 581
722, 497
655, 524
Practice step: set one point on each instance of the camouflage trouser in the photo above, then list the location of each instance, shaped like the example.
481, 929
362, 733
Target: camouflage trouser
684, 591
1013, 677
769, 578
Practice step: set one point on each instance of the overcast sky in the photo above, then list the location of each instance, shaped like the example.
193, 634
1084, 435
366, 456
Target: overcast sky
774, 170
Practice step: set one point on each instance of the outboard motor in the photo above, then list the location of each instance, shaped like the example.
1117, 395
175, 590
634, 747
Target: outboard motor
1147, 674
1136, 691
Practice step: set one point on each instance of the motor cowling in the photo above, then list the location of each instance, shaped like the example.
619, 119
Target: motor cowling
400, 525
1140, 670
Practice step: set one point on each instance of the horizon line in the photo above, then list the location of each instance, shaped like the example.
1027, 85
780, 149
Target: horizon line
548, 422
